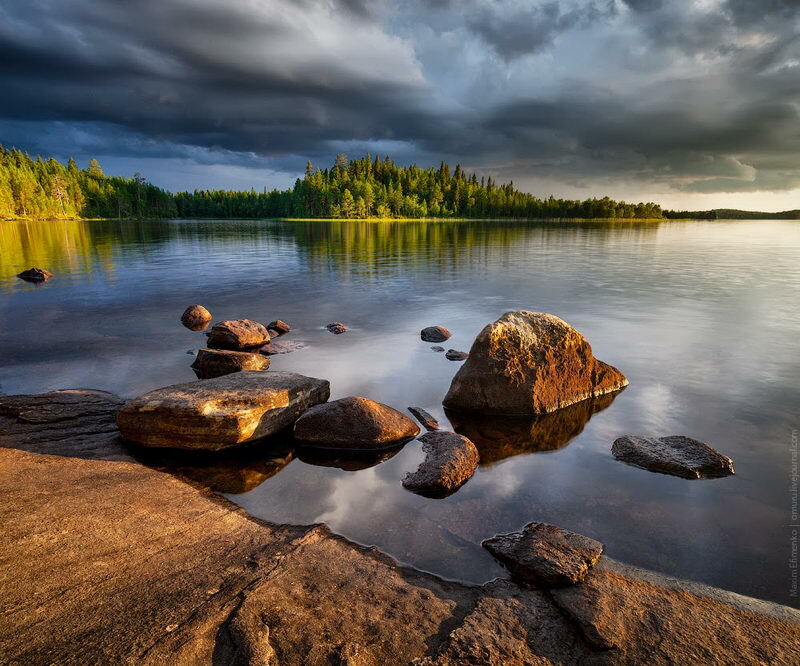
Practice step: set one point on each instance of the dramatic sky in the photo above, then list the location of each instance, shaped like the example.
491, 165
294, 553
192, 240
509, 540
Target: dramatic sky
691, 103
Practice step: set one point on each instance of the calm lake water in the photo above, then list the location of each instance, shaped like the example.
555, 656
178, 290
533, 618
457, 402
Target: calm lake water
702, 317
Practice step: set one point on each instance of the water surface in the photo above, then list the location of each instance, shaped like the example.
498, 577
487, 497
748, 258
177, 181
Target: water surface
701, 316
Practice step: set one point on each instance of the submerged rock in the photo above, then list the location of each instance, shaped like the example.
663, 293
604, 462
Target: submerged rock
279, 327
424, 418
437, 348
35, 275
435, 334
455, 355
281, 347
337, 328
354, 423
238, 334
218, 413
677, 455
529, 363
217, 362
196, 318
545, 555
450, 461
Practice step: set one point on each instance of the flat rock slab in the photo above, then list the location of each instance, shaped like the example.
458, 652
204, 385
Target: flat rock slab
450, 461
425, 418
677, 455
212, 363
132, 565
281, 347
529, 363
217, 413
354, 423
545, 555
238, 335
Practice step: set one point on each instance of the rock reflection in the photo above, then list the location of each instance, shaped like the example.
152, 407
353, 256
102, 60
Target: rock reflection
350, 461
232, 472
501, 437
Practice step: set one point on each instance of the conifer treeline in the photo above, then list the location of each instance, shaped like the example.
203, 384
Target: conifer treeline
46, 189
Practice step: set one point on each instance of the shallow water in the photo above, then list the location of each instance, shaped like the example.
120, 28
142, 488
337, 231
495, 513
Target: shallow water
701, 316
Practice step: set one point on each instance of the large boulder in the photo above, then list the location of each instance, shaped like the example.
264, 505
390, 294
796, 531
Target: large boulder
238, 334
677, 455
214, 414
546, 555
450, 461
529, 363
354, 423
212, 363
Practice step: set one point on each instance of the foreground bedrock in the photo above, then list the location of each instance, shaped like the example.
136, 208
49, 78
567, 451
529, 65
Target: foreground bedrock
105, 560
217, 413
530, 363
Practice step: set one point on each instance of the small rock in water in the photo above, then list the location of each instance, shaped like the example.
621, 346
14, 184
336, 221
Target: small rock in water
337, 328
237, 335
424, 418
191, 351
454, 355
35, 275
437, 348
435, 334
676, 455
354, 423
450, 461
218, 362
276, 347
279, 327
196, 318
545, 554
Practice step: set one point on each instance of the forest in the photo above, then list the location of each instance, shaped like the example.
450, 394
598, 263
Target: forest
37, 188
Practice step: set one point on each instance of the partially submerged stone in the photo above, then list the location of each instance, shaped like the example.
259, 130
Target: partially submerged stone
424, 418
455, 355
437, 348
435, 334
677, 455
337, 328
212, 363
529, 363
238, 334
35, 275
196, 318
354, 423
279, 327
281, 347
545, 555
450, 461
214, 414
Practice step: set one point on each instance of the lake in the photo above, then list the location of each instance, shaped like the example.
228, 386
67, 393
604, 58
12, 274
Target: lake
702, 317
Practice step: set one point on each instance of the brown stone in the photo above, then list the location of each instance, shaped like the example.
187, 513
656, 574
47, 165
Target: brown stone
337, 328
424, 418
217, 413
212, 363
196, 318
435, 334
450, 461
35, 275
237, 335
354, 423
545, 555
529, 363
455, 355
677, 455
279, 327
281, 347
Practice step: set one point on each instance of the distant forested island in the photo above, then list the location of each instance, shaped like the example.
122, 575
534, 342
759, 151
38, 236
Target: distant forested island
37, 188
730, 214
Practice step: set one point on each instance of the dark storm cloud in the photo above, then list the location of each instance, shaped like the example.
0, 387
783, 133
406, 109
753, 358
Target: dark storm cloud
699, 97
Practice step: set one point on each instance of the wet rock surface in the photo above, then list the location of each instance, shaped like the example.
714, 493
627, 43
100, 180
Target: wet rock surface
238, 335
35, 275
530, 363
455, 355
212, 363
196, 318
545, 555
354, 423
676, 455
336, 327
425, 418
134, 565
279, 327
213, 414
437, 348
435, 334
281, 347
450, 461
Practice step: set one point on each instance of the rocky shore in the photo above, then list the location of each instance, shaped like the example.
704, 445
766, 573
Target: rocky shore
109, 560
